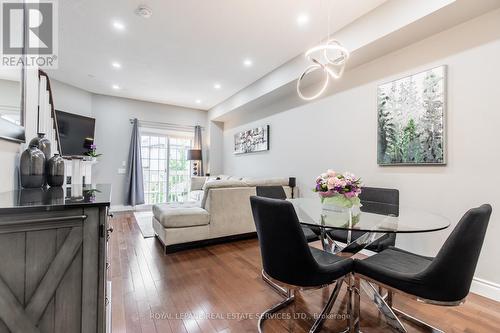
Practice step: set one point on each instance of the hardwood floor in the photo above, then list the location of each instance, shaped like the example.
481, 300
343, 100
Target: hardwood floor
219, 289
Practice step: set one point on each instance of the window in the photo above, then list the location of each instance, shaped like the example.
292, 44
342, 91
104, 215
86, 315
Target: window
165, 168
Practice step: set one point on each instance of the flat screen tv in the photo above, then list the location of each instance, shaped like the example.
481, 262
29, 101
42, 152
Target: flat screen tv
73, 130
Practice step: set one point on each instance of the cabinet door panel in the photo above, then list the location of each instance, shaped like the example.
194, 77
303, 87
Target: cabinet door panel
41, 248
42, 274
12, 254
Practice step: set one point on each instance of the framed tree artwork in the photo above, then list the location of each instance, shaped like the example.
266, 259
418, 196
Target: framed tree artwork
411, 119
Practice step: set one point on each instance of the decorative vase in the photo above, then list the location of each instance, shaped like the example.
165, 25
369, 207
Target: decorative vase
55, 196
55, 171
42, 143
341, 210
32, 167
340, 202
32, 196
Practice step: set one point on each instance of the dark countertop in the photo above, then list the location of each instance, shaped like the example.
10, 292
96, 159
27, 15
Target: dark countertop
55, 198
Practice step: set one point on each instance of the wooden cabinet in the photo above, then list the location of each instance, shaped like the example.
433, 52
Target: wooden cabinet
53, 270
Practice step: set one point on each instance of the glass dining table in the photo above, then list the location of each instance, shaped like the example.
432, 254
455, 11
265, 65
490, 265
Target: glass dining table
369, 221
365, 219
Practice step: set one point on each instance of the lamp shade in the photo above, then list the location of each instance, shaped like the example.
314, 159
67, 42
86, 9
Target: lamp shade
194, 155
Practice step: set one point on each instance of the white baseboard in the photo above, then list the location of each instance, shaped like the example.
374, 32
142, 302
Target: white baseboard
486, 288
122, 208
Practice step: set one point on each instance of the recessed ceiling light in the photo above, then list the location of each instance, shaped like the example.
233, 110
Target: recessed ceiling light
115, 87
118, 25
217, 86
198, 101
116, 65
302, 19
247, 62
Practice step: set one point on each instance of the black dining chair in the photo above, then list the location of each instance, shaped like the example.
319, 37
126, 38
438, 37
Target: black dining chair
277, 192
376, 200
287, 259
442, 280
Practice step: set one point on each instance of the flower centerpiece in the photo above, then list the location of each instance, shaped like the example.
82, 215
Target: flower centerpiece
341, 190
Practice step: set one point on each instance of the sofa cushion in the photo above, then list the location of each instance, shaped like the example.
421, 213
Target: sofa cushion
195, 196
219, 184
180, 215
223, 183
266, 181
197, 182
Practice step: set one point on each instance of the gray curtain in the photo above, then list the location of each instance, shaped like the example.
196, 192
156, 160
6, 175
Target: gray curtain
135, 185
198, 145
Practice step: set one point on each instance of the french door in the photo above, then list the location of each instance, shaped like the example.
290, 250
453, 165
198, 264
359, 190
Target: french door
165, 168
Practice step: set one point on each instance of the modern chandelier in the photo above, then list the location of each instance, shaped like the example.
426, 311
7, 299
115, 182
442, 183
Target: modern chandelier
330, 57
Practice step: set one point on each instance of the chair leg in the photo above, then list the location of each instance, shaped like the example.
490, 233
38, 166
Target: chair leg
390, 317
327, 308
417, 321
392, 314
267, 314
280, 290
354, 304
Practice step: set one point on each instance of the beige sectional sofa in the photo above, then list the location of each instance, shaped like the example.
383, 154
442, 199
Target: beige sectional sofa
219, 210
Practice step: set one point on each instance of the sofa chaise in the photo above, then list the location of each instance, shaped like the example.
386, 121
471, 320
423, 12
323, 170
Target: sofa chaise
219, 210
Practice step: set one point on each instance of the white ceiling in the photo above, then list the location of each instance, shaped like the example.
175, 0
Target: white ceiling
177, 55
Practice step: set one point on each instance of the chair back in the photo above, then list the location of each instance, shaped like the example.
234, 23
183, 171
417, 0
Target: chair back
452, 270
275, 192
285, 254
380, 200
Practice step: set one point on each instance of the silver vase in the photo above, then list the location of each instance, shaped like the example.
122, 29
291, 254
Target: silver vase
32, 167
55, 171
42, 143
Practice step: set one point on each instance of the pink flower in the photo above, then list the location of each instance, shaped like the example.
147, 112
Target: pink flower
331, 182
331, 173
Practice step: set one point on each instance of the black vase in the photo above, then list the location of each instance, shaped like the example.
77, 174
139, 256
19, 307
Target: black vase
32, 196
42, 143
32, 167
55, 196
55, 171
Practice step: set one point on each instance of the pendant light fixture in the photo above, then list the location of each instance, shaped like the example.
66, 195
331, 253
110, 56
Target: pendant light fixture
330, 57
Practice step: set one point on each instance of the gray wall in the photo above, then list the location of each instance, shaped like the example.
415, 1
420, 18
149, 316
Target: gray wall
113, 129
113, 133
71, 99
340, 132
